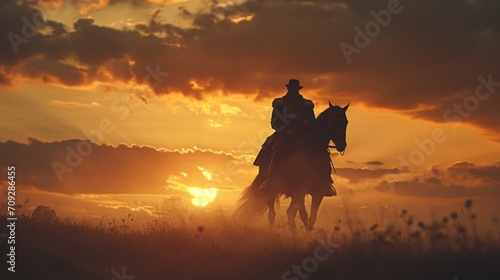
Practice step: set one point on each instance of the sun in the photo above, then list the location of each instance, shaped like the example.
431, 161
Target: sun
202, 197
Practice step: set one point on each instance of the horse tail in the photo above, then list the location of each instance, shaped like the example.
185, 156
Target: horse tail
253, 202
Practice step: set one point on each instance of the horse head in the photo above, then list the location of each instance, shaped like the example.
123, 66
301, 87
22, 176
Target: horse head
333, 122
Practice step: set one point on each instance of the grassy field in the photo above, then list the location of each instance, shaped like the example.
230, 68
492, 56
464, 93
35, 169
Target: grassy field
210, 245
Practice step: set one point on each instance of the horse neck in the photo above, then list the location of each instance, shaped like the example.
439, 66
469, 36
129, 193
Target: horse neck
319, 138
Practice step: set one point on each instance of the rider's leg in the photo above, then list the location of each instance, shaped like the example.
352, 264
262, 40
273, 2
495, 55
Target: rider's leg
273, 168
279, 145
274, 164
325, 180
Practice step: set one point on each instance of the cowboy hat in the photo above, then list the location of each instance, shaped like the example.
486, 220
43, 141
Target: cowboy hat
294, 84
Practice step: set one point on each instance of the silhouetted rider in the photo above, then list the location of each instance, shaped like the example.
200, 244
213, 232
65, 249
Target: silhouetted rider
291, 117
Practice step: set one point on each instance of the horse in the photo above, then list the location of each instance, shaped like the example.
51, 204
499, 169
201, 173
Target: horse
298, 172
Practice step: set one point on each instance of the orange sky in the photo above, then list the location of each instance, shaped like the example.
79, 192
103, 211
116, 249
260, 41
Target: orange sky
166, 89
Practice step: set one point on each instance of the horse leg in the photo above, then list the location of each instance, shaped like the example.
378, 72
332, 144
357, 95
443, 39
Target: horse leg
301, 205
271, 213
316, 201
291, 212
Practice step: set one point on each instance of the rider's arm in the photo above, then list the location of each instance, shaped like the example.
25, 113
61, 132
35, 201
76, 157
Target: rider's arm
277, 115
309, 116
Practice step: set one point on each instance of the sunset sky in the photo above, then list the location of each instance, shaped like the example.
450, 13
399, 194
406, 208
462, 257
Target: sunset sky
173, 92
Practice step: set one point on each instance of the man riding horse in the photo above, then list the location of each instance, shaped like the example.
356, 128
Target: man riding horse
291, 119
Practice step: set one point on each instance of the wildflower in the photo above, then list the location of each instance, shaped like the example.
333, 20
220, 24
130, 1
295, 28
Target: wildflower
454, 215
439, 236
421, 225
468, 203
445, 220
434, 226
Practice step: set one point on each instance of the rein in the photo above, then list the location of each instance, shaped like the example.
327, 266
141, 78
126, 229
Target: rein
329, 157
334, 147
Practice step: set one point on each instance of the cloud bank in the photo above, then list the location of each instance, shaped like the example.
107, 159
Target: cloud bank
425, 62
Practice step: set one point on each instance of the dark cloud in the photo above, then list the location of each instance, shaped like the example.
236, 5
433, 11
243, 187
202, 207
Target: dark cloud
82, 23
433, 188
4, 81
358, 174
469, 170
107, 169
53, 71
462, 179
426, 60
374, 162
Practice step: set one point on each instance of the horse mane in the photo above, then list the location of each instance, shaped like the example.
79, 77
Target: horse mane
323, 116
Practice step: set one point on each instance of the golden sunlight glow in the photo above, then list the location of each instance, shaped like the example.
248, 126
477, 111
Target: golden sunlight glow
202, 197
205, 173
94, 7
245, 18
51, 3
195, 85
214, 124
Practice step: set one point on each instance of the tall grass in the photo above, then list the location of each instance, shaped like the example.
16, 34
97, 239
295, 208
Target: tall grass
177, 243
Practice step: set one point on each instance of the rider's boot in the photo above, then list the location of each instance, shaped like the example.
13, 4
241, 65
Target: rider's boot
326, 186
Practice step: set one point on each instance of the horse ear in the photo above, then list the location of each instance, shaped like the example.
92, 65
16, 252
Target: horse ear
346, 106
330, 103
